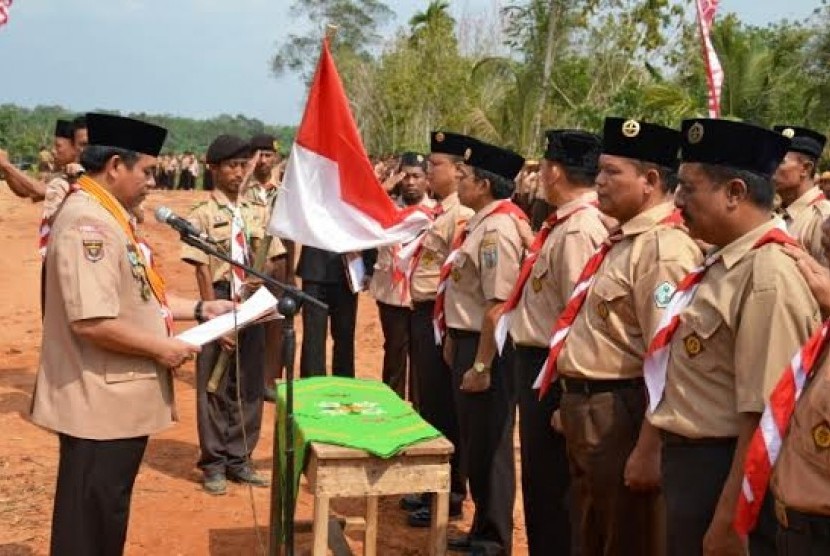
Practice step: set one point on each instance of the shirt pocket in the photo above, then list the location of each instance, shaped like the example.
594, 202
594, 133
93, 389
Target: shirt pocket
697, 337
128, 369
538, 274
612, 307
812, 422
221, 232
432, 254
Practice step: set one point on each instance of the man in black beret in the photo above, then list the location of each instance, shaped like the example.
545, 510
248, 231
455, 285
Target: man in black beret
261, 192
728, 336
600, 339
556, 257
476, 280
104, 382
225, 447
803, 205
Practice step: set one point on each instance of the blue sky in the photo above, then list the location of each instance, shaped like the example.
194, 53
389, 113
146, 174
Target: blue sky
196, 58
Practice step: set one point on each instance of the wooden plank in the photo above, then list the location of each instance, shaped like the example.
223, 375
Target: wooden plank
435, 446
370, 539
438, 529
372, 478
321, 526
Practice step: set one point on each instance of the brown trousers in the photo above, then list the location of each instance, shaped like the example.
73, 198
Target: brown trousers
600, 431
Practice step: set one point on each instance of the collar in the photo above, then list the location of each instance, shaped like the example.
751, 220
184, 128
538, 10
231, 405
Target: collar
584, 199
803, 203
450, 201
646, 220
483, 213
222, 200
735, 251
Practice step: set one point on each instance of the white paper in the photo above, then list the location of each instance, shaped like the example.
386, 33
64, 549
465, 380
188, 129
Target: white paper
255, 307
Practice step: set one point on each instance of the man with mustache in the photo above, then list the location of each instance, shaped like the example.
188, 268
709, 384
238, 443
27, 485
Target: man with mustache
226, 439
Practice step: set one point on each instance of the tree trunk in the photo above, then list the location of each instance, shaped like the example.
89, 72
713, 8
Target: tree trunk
536, 129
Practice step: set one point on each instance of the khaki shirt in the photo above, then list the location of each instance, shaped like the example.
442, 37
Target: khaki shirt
262, 199
632, 287
56, 191
383, 287
555, 272
804, 218
436, 248
81, 389
801, 479
750, 314
485, 268
214, 217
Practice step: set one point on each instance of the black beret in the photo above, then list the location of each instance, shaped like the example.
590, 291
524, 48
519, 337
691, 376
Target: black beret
806, 141
106, 130
64, 129
574, 148
413, 159
641, 141
495, 159
226, 147
450, 143
264, 142
733, 144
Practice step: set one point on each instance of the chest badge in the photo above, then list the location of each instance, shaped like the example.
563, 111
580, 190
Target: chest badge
427, 259
536, 284
663, 294
93, 249
602, 310
456, 275
693, 345
821, 436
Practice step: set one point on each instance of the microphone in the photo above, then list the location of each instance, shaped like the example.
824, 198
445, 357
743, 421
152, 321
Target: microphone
166, 216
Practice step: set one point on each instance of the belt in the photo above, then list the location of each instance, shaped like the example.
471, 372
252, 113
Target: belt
458, 334
815, 525
673, 439
590, 387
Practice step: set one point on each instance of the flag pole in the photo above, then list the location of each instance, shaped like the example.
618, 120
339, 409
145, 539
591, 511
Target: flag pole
282, 503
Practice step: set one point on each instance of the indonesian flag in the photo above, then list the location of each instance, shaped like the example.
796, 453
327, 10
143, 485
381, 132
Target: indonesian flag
331, 198
714, 73
4, 11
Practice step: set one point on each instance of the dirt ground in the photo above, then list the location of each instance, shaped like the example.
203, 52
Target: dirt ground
170, 514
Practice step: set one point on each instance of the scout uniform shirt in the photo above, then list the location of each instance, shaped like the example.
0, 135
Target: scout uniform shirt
262, 199
751, 312
610, 336
555, 272
84, 390
214, 217
436, 247
485, 268
56, 190
385, 287
804, 218
801, 479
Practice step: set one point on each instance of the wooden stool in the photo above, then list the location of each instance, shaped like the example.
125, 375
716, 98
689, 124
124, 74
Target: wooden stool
334, 471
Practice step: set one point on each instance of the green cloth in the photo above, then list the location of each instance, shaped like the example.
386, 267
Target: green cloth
362, 414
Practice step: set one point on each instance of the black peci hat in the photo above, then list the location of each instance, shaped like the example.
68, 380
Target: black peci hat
641, 141
64, 129
574, 148
106, 130
264, 142
733, 144
450, 143
226, 147
413, 159
497, 160
804, 140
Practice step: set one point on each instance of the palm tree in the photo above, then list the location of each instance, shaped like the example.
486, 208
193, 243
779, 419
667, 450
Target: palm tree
434, 19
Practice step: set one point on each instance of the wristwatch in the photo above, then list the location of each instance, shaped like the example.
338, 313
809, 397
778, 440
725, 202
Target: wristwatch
480, 367
198, 315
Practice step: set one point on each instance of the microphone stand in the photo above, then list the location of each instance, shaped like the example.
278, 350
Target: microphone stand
281, 523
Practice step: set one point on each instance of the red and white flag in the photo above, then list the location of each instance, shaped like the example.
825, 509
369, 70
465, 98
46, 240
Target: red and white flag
4, 10
714, 73
330, 197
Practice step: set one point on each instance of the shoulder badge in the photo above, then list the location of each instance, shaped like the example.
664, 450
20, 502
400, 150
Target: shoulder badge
93, 249
821, 436
663, 294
